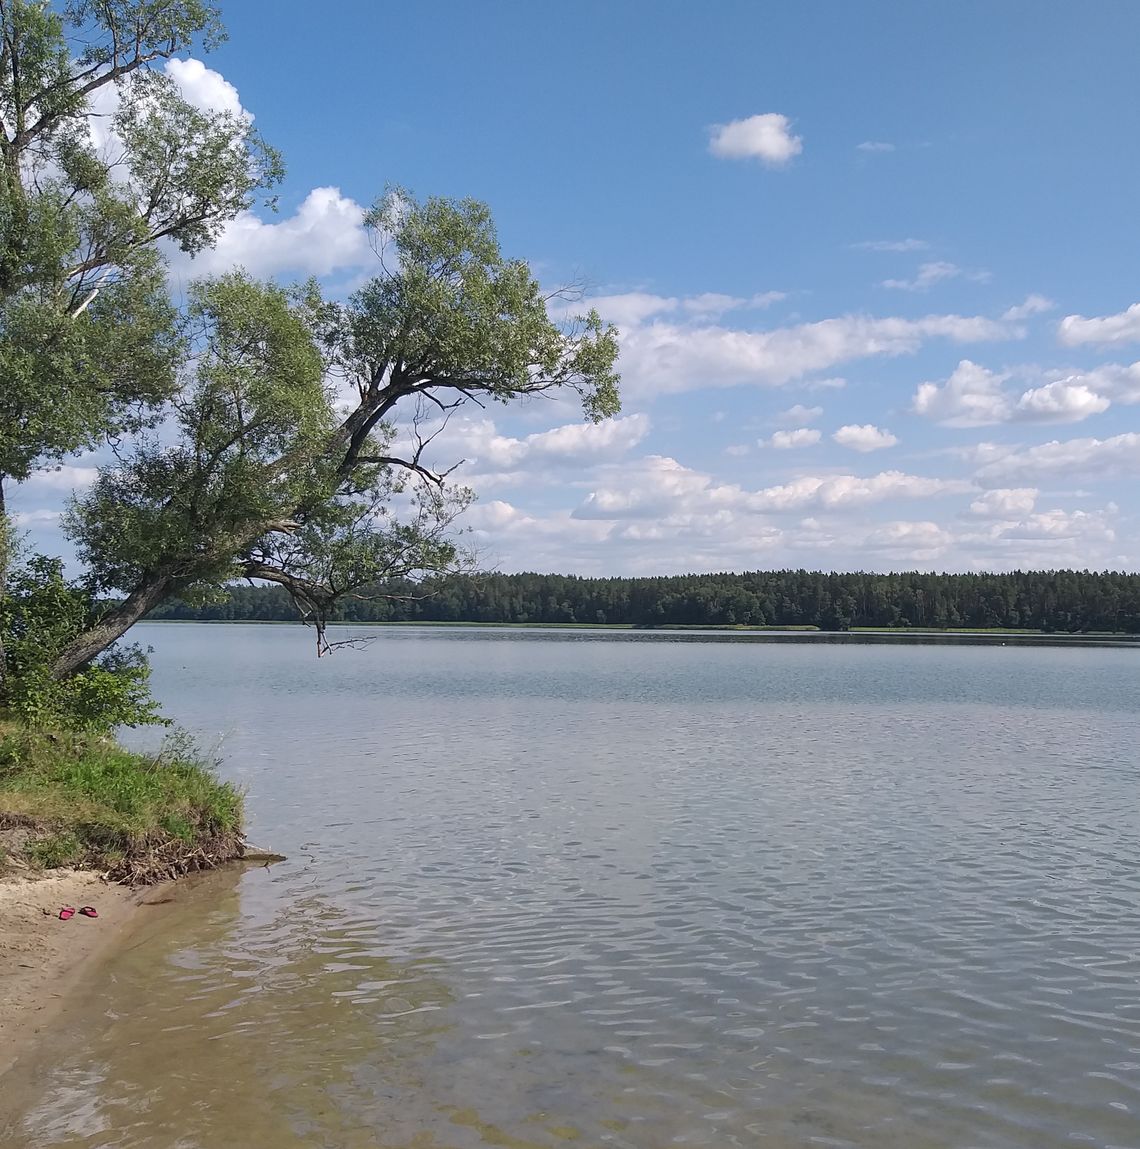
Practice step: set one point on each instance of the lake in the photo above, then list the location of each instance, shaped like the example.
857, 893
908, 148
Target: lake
552, 888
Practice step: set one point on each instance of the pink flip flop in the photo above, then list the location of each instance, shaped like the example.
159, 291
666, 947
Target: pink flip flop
66, 912
89, 912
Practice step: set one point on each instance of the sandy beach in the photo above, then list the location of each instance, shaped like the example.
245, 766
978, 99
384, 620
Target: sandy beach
41, 956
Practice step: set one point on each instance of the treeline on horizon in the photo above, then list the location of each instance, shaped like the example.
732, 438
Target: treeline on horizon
1051, 601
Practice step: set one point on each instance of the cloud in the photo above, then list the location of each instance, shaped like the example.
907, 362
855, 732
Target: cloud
971, 397
834, 492
575, 442
737, 450
936, 272
1124, 327
205, 89
659, 487
36, 518
1033, 305
920, 541
1116, 382
325, 235
66, 477
713, 303
788, 440
627, 309
633, 307
491, 457
1059, 402
891, 245
1004, 502
874, 146
766, 137
799, 414
1069, 459
654, 487
928, 275
1058, 525
974, 397
864, 438
668, 358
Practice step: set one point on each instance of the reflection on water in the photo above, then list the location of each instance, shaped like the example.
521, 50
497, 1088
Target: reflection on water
548, 892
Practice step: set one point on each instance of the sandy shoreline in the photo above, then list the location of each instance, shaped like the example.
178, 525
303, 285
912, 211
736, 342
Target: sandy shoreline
41, 957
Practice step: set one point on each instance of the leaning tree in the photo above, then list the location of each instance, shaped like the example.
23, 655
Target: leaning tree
284, 458
256, 432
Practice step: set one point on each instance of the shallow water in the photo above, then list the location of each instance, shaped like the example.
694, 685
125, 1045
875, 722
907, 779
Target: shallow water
554, 888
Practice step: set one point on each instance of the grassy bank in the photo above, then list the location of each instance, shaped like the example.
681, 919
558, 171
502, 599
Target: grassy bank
85, 802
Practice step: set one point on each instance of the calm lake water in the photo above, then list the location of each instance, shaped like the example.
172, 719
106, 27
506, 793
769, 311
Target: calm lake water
605, 889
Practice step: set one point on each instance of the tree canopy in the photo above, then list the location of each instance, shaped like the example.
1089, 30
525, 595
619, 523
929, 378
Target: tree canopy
286, 463
102, 157
1055, 602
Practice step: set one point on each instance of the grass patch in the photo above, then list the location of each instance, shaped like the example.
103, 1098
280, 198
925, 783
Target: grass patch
85, 802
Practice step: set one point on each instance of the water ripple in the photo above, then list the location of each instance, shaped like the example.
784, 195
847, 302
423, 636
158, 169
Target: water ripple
640, 895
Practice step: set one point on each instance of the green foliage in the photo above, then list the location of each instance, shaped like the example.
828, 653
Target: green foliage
89, 343
39, 616
453, 312
91, 803
257, 396
270, 479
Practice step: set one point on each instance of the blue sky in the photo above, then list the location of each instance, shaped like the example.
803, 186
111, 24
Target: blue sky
872, 263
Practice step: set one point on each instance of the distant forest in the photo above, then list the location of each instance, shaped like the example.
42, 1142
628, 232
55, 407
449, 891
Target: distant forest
1051, 601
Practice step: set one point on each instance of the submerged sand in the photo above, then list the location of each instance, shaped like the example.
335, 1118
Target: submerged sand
41, 956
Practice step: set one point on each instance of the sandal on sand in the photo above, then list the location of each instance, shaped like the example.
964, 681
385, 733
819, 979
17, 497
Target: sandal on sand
89, 912
66, 912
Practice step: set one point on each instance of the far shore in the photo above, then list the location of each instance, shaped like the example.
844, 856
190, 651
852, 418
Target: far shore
809, 632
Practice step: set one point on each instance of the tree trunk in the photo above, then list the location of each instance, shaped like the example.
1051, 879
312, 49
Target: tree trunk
113, 625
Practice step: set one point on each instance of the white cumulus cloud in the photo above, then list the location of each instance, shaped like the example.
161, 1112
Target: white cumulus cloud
659, 487
920, 541
65, 477
1068, 459
831, 492
206, 89
1124, 327
1060, 402
1120, 384
799, 414
1005, 502
1033, 305
971, 397
788, 440
864, 437
492, 458
766, 137
325, 235
669, 358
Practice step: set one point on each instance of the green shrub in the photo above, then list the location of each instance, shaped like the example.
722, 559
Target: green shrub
39, 616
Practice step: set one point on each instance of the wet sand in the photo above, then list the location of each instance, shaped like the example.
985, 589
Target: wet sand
42, 958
